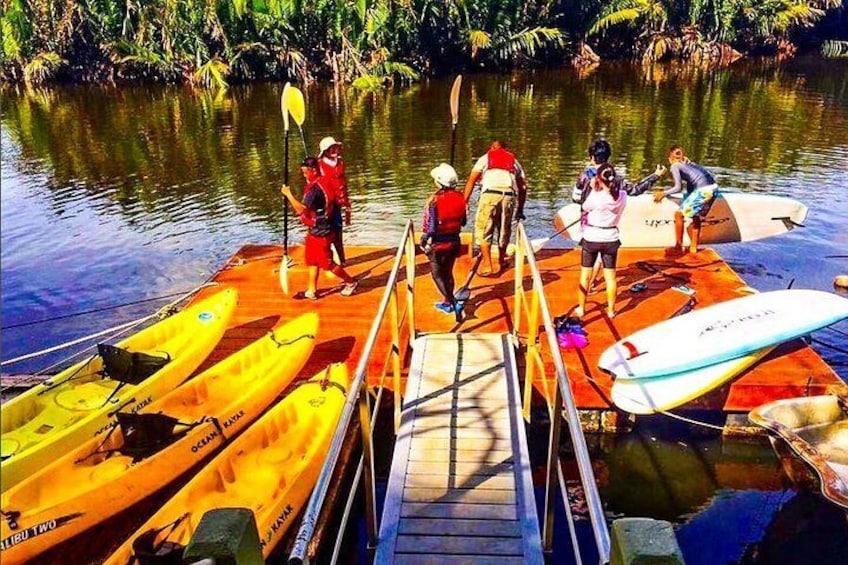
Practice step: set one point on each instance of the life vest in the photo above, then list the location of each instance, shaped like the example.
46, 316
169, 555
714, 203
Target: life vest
450, 213
501, 159
318, 221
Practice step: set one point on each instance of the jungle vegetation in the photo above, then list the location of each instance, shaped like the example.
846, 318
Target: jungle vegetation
373, 42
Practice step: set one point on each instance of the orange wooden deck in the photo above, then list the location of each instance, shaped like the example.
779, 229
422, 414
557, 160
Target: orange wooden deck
793, 370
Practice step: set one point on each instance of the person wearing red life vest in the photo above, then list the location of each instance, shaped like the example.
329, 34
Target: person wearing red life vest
316, 213
333, 170
444, 216
504, 192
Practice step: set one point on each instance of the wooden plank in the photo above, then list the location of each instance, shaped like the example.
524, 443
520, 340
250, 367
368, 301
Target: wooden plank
461, 511
458, 495
463, 420
463, 433
459, 545
419, 559
458, 444
460, 527
461, 455
457, 468
502, 481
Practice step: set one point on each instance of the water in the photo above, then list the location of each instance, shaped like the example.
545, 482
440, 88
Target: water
111, 196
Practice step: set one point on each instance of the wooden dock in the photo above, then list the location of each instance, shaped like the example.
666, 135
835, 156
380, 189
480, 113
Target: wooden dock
460, 488
792, 370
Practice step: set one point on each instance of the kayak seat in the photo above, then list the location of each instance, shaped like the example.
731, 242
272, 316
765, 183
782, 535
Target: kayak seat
146, 434
130, 367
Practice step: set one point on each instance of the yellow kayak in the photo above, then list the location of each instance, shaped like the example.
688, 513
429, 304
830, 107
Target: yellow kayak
79, 403
148, 450
271, 469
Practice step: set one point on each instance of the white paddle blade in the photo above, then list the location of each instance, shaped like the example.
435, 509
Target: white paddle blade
454, 99
284, 275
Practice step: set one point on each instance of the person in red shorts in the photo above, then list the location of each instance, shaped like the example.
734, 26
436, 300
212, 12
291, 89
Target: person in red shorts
316, 213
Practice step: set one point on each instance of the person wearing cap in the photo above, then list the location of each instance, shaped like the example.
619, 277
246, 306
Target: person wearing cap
602, 205
600, 152
504, 190
444, 216
316, 213
701, 192
332, 169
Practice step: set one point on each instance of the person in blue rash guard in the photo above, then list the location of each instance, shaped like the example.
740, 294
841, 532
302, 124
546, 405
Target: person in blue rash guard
701, 192
444, 216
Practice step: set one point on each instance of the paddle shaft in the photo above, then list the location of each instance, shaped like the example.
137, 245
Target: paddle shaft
453, 144
286, 205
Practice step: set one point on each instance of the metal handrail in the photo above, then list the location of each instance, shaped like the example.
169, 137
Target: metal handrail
563, 395
358, 395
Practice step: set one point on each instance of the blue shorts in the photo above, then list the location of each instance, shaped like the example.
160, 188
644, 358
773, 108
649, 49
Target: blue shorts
698, 202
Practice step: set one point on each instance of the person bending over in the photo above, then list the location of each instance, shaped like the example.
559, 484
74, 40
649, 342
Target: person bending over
316, 213
444, 216
701, 191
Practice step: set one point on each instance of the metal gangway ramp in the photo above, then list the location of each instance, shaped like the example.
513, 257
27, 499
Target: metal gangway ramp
460, 488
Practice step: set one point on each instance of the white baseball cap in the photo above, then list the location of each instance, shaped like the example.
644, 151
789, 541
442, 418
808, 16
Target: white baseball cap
326, 143
445, 175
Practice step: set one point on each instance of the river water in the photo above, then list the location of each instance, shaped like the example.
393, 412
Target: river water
113, 196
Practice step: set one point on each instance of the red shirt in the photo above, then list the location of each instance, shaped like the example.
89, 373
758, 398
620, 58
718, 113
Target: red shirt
335, 173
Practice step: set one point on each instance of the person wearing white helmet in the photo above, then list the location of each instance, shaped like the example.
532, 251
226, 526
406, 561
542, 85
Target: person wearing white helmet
332, 169
444, 216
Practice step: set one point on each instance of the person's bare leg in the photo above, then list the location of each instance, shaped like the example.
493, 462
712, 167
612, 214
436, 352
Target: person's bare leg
694, 234
612, 291
582, 291
339, 271
312, 285
678, 230
595, 270
486, 252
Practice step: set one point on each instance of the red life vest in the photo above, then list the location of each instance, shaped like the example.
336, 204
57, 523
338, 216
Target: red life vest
450, 212
501, 159
318, 220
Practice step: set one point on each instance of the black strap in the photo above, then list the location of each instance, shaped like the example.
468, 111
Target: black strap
505, 193
291, 341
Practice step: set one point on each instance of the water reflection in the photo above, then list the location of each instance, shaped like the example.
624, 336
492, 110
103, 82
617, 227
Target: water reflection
115, 194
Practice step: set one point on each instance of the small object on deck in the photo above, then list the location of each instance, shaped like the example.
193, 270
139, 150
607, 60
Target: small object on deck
840, 281
684, 289
644, 540
226, 535
638, 287
571, 334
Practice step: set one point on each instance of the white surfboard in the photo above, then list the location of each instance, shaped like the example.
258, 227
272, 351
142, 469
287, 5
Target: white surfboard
647, 396
721, 332
734, 216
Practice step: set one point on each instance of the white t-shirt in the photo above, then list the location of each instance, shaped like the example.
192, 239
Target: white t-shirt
601, 215
497, 179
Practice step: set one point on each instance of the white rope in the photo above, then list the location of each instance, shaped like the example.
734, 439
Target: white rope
117, 329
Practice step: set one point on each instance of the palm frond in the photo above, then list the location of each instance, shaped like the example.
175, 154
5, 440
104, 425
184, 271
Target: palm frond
42, 68
627, 15
212, 73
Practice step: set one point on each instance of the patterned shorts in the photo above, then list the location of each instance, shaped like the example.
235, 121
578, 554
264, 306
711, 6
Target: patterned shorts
698, 202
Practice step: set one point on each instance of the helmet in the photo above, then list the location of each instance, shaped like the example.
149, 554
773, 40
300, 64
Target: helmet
325, 144
600, 150
445, 175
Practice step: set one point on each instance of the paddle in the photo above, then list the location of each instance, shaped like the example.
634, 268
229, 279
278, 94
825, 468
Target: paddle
463, 293
454, 108
539, 243
297, 108
284, 265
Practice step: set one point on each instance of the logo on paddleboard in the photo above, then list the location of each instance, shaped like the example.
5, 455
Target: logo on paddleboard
205, 316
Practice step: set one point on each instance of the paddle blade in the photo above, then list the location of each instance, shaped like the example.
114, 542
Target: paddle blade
454, 99
283, 97
296, 105
284, 274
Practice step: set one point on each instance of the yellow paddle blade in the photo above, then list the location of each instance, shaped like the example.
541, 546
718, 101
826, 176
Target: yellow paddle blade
293, 101
285, 94
454, 98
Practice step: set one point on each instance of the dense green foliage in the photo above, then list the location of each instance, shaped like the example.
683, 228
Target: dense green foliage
371, 42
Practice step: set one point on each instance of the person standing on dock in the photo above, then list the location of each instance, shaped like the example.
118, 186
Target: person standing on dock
701, 191
332, 169
504, 192
600, 152
316, 212
603, 204
444, 216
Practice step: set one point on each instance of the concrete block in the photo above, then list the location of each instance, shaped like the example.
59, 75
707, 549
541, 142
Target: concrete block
227, 535
643, 541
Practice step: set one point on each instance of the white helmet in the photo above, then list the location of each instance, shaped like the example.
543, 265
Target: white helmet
326, 143
445, 175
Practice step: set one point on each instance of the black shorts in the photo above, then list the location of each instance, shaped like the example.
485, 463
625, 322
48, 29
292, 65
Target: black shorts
608, 250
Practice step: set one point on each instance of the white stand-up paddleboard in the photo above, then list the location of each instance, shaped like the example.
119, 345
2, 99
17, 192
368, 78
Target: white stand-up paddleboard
721, 332
647, 396
734, 216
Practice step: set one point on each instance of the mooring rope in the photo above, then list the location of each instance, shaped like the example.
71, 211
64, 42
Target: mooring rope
116, 330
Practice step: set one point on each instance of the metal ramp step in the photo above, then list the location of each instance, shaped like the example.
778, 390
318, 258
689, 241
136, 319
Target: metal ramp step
460, 488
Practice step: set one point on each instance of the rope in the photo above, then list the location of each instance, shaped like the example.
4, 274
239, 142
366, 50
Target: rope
117, 329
